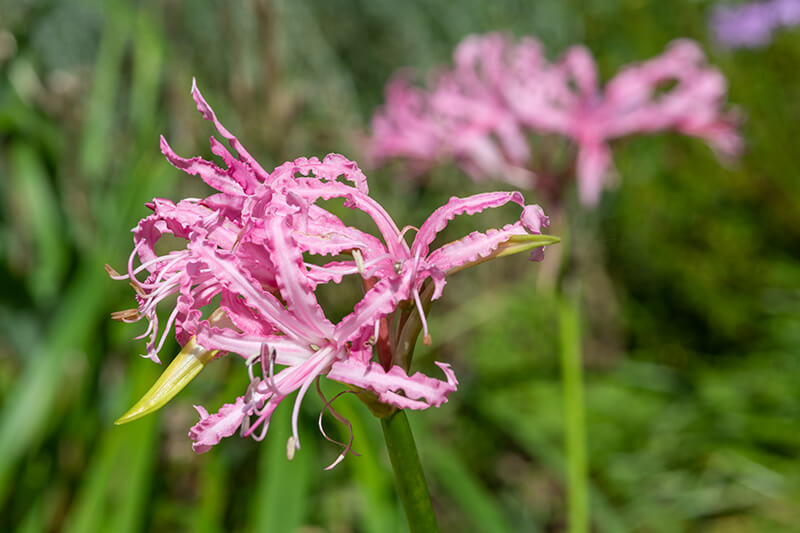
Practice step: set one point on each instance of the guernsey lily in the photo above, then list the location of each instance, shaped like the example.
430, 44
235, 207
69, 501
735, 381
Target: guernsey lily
243, 284
482, 112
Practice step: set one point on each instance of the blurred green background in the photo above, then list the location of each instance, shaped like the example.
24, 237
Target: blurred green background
691, 269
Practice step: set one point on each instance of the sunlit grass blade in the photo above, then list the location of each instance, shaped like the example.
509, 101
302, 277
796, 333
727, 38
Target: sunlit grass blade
39, 213
379, 512
213, 496
180, 372
532, 436
281, 495
140, 451
34, 397
114, 490
96, 150
473, 499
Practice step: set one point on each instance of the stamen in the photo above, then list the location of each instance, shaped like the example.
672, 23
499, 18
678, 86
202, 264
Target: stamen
167, 327
296, 410
265, 349
260, 436
404, 230
291, 447
113, 274
126, 315
328, 405
426, 339
138, 288
359, 259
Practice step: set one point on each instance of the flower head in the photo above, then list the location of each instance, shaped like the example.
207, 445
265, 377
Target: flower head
751, 25
247, 247
481, 111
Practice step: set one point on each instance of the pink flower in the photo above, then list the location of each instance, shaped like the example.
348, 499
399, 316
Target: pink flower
246, 247
481, 112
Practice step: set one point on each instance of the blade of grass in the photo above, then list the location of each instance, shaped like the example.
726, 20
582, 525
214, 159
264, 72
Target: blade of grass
210, 510
471, 497
38, 209
140, 451
36, 392
379, 513
95, 151
534, 440
282, 492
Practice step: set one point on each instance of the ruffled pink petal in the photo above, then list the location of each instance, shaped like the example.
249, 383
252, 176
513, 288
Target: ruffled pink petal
208, 114
312, 190
293, 283
472, 247
333, 271
534, 219
458, 206
209, 172
238, 171
330, 168
378, 302
419, 390
228, 271
213, 428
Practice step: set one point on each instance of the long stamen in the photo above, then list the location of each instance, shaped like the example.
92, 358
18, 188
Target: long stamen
426, 339
296, 410
328, 406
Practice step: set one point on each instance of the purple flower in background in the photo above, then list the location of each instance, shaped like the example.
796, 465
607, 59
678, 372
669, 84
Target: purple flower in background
752, 25
243, 282
481, 112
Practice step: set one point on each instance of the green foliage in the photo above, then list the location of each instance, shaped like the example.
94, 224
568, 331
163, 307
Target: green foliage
692, 311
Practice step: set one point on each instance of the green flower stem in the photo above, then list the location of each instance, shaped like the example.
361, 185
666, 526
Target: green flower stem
408, 472
575, 419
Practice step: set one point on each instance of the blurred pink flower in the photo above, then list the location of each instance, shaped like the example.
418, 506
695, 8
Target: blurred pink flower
752, 24
481, 112
246, 247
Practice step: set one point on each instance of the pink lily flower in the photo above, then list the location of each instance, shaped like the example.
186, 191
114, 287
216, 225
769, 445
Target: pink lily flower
481, 112
245, 245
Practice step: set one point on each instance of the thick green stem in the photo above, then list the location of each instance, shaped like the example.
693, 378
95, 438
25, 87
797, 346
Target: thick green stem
408, 472
575, 432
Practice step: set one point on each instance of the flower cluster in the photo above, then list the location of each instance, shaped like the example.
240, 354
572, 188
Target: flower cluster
481, 111
245, 283
751, 25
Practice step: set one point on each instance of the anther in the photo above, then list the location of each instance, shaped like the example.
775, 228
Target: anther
359, 259
125, 315
111, 272
138, 288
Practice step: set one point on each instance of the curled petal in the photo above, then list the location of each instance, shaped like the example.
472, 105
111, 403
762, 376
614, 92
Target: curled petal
419, 390
312, 190
329, 169
232, 276
208, 114
209, 172
458, 206
213, 428
378, 302
290, 274
473, 247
